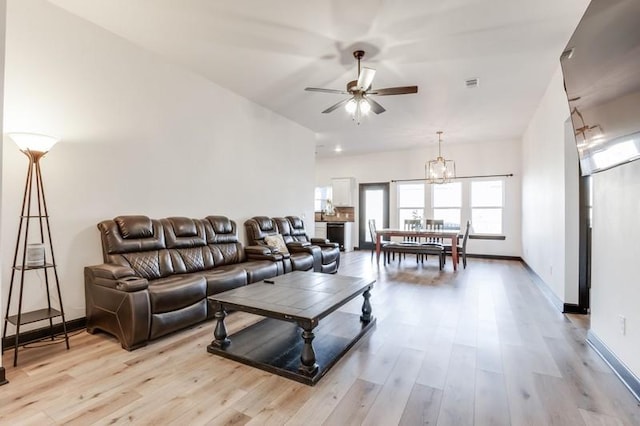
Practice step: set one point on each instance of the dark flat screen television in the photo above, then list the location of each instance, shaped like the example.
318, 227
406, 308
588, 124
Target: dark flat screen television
601, 70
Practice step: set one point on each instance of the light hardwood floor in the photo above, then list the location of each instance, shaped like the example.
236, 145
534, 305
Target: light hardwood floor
481, 346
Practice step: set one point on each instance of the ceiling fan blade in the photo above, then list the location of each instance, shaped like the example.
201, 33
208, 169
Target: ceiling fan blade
394, 91
365, 78
375, 106
317, 89
336, 106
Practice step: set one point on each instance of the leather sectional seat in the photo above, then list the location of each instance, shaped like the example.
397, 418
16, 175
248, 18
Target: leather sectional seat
157, 274
300, 256
292, 229
302, 253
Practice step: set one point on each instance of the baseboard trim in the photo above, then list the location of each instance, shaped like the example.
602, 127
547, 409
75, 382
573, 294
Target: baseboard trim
38, 334
573, 308
544, 288
3, 378
565, 308
619, 368
492, 256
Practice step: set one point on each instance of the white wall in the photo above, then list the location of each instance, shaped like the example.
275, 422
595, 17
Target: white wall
615, 290
139, 136
548, 194
3, 10
471, 159
571, 215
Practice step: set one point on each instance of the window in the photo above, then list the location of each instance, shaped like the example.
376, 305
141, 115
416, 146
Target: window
447, 203
481, 201
487, 202
322, 194
410, 202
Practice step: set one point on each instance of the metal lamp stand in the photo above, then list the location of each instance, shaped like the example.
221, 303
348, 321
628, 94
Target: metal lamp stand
34, 178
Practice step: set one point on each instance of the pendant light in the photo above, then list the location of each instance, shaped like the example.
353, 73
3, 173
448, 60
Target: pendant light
440, 170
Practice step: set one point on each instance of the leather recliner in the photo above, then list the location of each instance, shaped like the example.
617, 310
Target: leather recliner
301, 256
330, 251
157, 274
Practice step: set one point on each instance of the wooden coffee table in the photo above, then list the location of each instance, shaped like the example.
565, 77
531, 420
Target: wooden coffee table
290, 341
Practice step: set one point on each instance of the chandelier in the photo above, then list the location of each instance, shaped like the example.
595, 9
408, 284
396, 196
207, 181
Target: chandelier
440, 170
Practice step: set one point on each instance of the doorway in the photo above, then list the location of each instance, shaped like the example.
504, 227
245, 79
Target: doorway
373, 204
584, 247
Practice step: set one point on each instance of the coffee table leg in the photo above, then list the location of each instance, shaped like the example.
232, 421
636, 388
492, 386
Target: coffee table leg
366, 306
308, 364
220, 332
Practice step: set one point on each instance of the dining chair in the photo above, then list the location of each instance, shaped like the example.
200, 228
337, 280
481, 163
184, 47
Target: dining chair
411, 225
412, 245
434, 224
462, 247
385, 245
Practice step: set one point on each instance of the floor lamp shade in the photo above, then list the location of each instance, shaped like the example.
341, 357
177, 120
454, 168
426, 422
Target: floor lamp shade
34, 142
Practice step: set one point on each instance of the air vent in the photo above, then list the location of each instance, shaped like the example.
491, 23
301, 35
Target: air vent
567, 54
471, 83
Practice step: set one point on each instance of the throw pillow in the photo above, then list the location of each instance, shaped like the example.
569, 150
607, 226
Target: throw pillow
276, 241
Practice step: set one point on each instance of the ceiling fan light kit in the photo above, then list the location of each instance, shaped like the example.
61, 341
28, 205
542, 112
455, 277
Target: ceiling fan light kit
440, 170
360, 103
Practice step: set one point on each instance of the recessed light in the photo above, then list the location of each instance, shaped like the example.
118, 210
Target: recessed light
338, 149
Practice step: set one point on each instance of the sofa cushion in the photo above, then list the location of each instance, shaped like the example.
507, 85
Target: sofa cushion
259, 227
302, 261
183, 226
223, 278
276, 241
296, 222
330, 255
167, 322
132, 227
220, 229
146, 264
183, 232
258, 270
140, 236
176, 292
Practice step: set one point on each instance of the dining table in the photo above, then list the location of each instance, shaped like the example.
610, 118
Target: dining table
436, 234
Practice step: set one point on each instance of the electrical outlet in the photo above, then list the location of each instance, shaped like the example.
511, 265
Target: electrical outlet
623, 324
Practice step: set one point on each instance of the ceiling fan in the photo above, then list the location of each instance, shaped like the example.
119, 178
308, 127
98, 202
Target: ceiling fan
360, 102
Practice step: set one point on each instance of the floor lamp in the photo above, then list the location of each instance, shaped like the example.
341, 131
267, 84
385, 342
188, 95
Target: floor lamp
33, 256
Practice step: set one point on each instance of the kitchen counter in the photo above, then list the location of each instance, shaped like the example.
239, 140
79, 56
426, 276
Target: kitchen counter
342, 215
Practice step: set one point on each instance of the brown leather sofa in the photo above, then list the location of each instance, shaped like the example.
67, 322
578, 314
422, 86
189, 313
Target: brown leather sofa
157, 274
292, 230
302, 256
304, 253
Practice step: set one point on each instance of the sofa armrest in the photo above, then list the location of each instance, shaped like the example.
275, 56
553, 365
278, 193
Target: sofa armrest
117, 277
324, 243
263, 253
111, 271
119, 306
131, 284
297, 246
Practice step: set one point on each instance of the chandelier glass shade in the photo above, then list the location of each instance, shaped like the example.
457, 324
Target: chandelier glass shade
440, 170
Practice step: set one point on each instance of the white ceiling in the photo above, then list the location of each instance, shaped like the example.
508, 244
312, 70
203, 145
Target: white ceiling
269, 51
